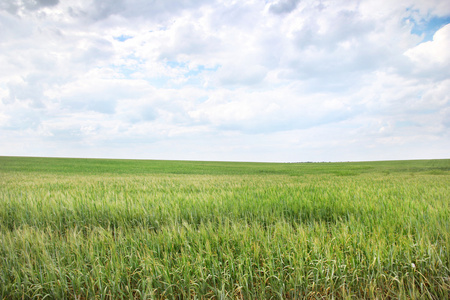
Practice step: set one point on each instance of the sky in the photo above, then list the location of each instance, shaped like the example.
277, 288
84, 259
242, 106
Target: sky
225, 80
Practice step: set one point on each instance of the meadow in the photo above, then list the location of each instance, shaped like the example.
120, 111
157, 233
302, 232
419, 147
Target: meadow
130, 229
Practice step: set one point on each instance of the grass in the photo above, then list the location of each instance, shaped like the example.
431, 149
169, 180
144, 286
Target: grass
111, 229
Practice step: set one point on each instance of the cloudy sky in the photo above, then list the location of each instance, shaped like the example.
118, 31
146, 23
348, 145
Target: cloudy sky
256, 80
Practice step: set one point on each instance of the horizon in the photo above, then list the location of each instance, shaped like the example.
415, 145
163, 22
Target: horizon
227, 161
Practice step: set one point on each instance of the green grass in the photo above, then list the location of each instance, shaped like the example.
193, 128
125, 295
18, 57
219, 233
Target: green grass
109, 229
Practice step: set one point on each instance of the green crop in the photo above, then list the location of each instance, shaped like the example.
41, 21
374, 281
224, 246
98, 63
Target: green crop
115, 229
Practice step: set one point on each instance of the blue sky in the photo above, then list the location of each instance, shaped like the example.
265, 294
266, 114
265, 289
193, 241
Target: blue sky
281, 80
427, 27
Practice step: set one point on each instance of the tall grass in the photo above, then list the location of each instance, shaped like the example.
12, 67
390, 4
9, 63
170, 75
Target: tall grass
372, 230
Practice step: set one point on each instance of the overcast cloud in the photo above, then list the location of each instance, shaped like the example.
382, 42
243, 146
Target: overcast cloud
287, 80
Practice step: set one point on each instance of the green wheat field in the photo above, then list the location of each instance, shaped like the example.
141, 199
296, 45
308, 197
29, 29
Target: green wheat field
130, 229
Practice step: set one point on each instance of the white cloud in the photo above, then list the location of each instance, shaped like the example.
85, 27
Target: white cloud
225, 80
433, 57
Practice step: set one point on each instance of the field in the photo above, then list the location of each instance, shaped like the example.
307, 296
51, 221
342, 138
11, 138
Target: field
114, 229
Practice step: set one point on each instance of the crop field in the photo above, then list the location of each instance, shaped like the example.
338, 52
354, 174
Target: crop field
129, 229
